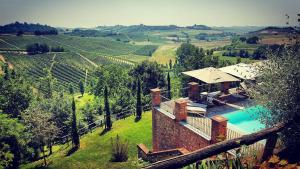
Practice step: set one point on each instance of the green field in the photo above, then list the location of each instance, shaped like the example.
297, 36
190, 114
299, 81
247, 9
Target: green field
232, 59
95, 148
165, 53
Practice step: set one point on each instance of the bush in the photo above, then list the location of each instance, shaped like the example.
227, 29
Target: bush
57, 49
252, 40
119, 150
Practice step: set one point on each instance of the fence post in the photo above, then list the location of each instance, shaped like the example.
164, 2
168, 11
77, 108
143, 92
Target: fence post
155, 94
269, 147
218, 129
193, 92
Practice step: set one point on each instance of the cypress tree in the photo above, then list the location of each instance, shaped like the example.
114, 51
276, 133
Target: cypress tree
169, 86
6, 71
81, 88
108, 123
170, 64
75, 135
13, 74
138, 100
71, 90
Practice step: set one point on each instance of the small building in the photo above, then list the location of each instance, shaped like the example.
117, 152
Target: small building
212, 75
242, 71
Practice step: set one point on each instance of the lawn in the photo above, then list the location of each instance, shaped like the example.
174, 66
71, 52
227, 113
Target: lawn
95, 148
165, 53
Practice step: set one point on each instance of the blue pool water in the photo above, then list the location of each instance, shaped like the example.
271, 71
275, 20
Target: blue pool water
246, 119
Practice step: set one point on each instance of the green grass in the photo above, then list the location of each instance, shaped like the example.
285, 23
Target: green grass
95, 148
232, 59
146, 50
81, 102
164, 54
133, 58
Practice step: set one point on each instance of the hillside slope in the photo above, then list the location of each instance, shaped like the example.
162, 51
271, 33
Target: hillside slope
95, 148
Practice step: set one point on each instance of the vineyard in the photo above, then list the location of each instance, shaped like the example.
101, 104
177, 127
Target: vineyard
146, 50
35, 68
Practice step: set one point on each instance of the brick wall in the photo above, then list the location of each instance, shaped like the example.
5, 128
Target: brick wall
171, 134
170, 131
145, 154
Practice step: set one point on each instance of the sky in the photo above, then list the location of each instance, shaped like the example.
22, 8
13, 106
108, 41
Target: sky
92, 13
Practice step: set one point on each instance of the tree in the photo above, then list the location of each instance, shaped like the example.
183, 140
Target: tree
39, 122
170, 64
6, 71
238, 60
75, 135
278, 90
243, 39
13, 74
89, 116
48, 82
169, 86
81, 88
138, 100
12, 139
190, 57
20, 33
43, 48
112, 74
71, 90
15, 96
108, 123
151, 74
36, 48
252, 40
57, 49
60, 108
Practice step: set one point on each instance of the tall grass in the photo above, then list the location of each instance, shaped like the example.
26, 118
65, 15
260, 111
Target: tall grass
119, 149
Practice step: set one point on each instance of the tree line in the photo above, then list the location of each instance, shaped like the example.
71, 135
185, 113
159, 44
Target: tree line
37, 48
21, 28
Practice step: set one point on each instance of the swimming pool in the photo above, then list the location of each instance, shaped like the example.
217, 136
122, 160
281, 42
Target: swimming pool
246, 119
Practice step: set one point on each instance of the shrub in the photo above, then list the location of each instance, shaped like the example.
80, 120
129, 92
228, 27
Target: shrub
57, 49
119, 150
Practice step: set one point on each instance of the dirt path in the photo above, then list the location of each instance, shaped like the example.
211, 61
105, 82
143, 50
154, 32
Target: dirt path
53, 59
91, 62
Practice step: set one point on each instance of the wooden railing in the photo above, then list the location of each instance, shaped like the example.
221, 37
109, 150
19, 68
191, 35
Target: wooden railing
201, 123
214, 149
248, 150
167, 104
